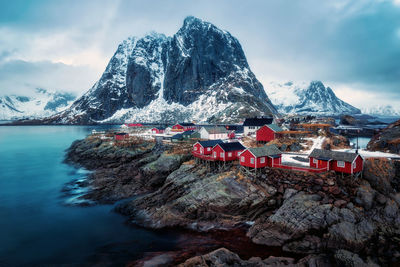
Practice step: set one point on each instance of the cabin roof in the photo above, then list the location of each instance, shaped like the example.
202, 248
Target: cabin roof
188, 132
333, 155
121, 134
159, 128
216, 129
257, 121
234, 146
270, 150
186, 124
177, 136
274, 127
210, 143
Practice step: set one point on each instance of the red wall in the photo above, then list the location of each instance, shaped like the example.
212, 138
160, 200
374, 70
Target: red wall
359, 165
265, 134
277, 161
248, 156
197, 146
333, 165
177, 128
217, 149
206, 150
120, 137
320, 164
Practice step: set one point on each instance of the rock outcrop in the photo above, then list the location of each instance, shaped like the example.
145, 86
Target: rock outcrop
387, 139
350, 221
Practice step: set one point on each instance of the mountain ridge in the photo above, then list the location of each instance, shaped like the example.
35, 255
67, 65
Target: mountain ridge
307, 98
40, 104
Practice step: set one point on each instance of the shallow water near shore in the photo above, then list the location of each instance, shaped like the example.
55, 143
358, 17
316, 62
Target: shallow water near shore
36, 227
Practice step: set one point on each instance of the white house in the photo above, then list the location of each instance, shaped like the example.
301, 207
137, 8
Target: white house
213, 133
251, 125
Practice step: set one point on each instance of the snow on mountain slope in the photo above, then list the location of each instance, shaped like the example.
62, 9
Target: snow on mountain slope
43, 103
386, 110
303, 98
200, 73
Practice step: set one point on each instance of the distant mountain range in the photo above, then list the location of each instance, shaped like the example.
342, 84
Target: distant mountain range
41, 104
200, 73
302, 98
385, 110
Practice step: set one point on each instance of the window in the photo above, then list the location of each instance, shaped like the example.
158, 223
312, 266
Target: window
229, 154
195, 148
315, 161
221, 154
354, 164
262, 160
340, 164
208, 148
201, 150
242, 159
215, 154
252, 160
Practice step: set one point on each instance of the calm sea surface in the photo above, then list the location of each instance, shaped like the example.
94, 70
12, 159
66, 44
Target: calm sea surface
36, 227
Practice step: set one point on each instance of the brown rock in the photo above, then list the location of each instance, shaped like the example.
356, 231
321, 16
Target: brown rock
340, 203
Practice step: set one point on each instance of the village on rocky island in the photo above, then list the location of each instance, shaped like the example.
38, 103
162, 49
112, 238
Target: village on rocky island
297, 185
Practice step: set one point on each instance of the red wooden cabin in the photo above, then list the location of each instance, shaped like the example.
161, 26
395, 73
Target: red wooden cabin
121, 136
182, 127
260, 157
344, 162
227, 151
158, 130
134, 124
232, 135
204, 148
267, 132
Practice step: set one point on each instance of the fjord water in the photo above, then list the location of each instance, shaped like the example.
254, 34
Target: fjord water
36, 227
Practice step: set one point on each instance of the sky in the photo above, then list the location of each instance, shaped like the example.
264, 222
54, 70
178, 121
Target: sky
353, 46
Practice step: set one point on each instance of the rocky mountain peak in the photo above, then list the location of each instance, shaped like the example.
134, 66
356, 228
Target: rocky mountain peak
312, 98
200, 73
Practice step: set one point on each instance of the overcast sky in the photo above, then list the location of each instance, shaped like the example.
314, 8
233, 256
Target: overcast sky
352, 46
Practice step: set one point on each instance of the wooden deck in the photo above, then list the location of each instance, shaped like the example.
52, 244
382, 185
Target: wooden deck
203, 157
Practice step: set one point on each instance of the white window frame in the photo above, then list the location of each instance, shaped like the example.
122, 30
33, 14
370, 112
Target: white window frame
262, 160
354, 164
195, 148
221, 154
229, 154
242, 159
215, 154
315, 161
340, 164
252, 160
208, 148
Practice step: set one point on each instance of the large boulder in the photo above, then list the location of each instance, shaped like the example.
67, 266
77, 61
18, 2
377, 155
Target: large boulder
382, 174
298, 215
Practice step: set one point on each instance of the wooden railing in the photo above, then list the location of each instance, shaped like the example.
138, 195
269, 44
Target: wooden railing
205, 157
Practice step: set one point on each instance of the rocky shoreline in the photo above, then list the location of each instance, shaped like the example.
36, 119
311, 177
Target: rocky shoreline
326, 219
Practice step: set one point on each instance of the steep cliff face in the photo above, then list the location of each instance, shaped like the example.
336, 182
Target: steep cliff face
201, 73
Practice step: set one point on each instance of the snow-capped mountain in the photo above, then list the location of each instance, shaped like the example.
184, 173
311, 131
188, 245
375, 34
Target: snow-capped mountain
303, 98
43, 103
387, 110
200, 73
